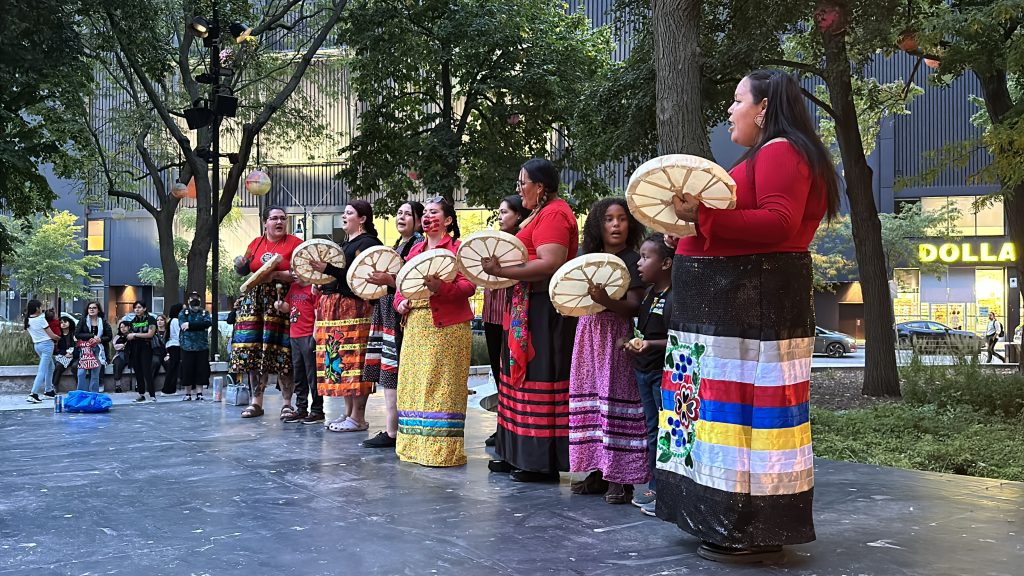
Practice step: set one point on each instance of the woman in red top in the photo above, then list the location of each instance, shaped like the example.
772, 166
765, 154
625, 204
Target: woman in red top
533, 393
260, 343
735, 466
437, 344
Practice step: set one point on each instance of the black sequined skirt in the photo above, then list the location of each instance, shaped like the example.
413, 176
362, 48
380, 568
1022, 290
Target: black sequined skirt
735, 464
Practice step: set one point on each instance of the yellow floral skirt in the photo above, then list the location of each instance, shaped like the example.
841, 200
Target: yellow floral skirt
432, 390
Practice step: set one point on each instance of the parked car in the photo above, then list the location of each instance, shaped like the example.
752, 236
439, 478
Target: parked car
7, 325
477, 325
930, 336
223, 328
833, 344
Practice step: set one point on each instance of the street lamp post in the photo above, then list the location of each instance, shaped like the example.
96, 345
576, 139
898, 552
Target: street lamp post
221, 104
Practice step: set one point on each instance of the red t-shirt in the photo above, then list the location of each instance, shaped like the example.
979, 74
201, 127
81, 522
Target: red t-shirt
303, 313
779, 206
261, 250
554, 224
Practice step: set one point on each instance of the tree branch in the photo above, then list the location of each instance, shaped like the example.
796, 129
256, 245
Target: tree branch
808, 68
153, 95
819, 103
271, 21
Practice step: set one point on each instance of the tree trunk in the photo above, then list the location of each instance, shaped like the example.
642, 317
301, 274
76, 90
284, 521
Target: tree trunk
999, 103
677, 59
880, 375
172, 275
199, 250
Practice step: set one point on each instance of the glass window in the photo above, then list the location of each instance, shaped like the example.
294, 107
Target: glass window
987, 221
94, 235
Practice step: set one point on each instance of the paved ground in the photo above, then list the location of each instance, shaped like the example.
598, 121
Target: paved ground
187, 488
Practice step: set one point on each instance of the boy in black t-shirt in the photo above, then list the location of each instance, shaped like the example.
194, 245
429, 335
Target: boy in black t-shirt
648, 347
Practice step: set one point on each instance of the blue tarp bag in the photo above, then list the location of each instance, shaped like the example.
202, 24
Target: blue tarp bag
82, 401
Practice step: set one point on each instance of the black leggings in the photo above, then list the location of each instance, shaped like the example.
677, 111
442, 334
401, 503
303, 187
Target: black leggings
142, 366
170, 367
494, 333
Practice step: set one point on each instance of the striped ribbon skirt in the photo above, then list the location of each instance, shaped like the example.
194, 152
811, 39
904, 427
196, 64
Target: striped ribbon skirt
259, 341
735, 465
341, 331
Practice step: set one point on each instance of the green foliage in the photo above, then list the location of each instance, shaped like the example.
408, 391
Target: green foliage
966, 383
925, 437
44, 78
984, 38
459, 92
874, 102
49, 260
829, 250
479, 355
16, 348
901, 231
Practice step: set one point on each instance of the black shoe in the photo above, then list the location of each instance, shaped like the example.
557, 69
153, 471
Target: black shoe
49, 394
381, 440
491, 440
117, 390
527, 476
499, 466
199, 397
765, 554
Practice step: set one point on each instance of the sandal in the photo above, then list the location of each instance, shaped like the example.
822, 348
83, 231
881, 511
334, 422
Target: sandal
349, 425
252, 411
286, 411
338, 420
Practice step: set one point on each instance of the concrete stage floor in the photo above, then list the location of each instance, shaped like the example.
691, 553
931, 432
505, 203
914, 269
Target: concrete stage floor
191, 489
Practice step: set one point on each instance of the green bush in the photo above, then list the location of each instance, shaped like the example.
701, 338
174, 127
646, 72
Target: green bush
479, 356
965, 384
956, 441
16, 348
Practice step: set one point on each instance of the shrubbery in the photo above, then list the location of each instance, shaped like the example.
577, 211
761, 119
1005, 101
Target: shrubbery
16, 348
965, 384
959, 419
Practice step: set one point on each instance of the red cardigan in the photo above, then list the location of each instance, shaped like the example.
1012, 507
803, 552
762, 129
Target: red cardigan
450, 305
779, 206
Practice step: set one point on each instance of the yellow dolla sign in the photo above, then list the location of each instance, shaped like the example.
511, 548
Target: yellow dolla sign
966, 253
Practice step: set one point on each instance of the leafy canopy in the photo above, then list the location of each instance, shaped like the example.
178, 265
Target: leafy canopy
458, 93
49, 258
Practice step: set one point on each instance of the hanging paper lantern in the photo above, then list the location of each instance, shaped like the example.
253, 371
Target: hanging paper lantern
179, 190
933, 64
412, 175
514, 119
257, 183
118, 213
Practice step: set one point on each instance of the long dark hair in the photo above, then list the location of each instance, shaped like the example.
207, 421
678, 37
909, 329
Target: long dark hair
543, 172
71, 325
449, 212
417, 213
31, 308
787, 117
593, 239
515, 203
173, 313
364, 210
